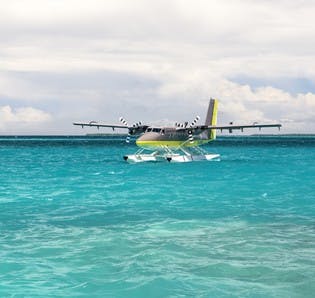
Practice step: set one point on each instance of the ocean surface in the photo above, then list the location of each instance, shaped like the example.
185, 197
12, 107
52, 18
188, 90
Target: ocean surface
78, 221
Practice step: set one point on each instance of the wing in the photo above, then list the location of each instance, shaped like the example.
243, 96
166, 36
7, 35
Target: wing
98, 125
132, 130
230, 128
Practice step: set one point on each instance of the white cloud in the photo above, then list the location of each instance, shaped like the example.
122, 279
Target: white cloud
21, 117
175, 54
242, 104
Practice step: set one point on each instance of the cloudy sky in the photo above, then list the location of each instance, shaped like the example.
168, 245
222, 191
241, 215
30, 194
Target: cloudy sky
70, 60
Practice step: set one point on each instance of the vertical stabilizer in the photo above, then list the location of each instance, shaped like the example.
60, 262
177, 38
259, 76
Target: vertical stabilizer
211, 118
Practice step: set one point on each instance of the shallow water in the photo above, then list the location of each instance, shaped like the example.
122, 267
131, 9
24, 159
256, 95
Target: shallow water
76, 220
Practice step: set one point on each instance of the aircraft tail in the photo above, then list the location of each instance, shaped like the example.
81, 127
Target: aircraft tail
211, 118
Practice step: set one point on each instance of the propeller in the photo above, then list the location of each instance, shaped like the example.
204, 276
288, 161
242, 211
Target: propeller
137, 124
181, 125
136, 128
195, 121
190, 131
190, 136
124, 122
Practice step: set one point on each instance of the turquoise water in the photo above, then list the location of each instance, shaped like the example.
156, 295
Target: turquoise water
77, 221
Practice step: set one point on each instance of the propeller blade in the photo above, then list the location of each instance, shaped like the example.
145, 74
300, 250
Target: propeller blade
123, 121
190, 136
128, 138
195, 121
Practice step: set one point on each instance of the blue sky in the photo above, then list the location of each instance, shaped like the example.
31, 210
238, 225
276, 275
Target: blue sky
161, 61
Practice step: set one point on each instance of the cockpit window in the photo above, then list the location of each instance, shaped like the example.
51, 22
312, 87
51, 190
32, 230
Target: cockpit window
154, 129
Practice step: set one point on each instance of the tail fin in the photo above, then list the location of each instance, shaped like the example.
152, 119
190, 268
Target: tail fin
211, 118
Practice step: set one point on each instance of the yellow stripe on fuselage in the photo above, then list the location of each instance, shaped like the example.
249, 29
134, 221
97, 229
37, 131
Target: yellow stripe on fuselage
171, 144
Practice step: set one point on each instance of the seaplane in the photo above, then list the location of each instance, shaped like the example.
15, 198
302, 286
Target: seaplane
179, 143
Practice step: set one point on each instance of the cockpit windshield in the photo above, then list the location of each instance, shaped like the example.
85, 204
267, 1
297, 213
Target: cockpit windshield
153, 129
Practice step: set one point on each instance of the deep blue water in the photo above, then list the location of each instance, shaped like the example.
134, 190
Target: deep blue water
77, 221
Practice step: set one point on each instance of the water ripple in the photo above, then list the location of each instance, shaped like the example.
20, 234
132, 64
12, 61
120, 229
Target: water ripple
74, 221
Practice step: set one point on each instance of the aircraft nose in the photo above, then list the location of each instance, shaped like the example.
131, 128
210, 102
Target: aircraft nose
149, 136
146, 140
